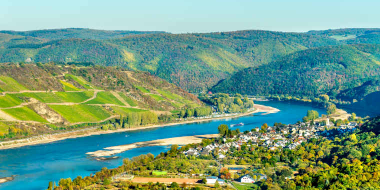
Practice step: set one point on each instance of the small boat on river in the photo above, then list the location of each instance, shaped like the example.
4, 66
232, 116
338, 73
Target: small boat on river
237, 125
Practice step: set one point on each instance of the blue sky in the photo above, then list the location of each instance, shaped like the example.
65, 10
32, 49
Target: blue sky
182, 16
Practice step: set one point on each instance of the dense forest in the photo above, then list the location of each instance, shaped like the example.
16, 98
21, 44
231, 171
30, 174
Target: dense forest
348, 73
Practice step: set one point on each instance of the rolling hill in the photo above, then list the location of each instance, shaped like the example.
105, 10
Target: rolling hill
194, 62
351, 35
44, 98
346, 72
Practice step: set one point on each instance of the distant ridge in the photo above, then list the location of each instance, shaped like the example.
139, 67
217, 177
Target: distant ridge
84, 33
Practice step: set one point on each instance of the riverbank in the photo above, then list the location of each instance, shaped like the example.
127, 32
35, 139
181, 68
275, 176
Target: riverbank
43, 139
339, 114
109, 151
6, 179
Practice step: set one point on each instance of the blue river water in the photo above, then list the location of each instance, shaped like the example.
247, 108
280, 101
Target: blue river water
34, 166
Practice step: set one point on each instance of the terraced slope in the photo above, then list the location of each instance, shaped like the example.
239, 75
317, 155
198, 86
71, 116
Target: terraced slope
54, 97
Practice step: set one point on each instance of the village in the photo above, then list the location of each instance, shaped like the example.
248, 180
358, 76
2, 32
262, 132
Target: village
279, 136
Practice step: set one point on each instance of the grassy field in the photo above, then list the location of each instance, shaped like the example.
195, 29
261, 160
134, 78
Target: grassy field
24, 114
9, 84
68, 86
46, 97
244, 186
156, 97
81, 113
129, 100
9, 101
142, 89
156, 172
179, 101
105, 98
58, 97
75, 97
124, 111
170, 95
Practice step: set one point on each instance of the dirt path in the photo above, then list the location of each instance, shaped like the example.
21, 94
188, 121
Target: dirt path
117, 95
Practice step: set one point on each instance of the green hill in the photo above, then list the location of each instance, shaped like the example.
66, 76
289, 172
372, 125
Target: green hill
41, 99
332, 70
194, 62
351, 35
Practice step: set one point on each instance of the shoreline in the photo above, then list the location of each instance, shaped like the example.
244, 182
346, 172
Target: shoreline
94, 131
109, 151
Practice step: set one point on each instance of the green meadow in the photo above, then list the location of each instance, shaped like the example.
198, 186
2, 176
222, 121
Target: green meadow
9, 101
142, 89
125, 111
24, 114
58, 97
156, 97
129, 100
81, 113
68, 86
81, 81
105, 98
9, 84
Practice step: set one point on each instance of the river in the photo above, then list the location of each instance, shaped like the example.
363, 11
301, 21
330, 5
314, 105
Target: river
34, 166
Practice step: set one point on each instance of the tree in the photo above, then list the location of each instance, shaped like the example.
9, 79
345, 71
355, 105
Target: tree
189, 113
182, 113
324, 97
331, 109
238, 101
264, 127
204, 181
216, 185
107, 181
223, 130
221, 108
173, 150
352, 117
174, 185
50, 186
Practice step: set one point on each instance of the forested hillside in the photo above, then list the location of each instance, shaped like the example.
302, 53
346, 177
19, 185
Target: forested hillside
195, 62
42, 98
345, 72
351, 35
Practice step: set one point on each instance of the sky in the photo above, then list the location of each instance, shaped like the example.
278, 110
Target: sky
187, 16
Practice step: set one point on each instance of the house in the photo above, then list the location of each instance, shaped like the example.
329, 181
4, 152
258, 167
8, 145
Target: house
260, 176
220, 181
211, 179
247, 179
